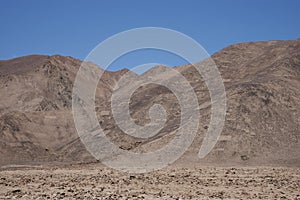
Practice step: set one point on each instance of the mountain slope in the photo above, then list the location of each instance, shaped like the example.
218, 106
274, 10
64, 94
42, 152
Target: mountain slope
262, 122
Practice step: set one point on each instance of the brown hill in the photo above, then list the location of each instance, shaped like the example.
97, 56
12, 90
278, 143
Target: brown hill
262, 123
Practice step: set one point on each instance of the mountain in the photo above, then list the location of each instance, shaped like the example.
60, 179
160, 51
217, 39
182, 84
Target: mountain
262, 120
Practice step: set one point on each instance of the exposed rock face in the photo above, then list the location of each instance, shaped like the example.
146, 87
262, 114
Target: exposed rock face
262, 122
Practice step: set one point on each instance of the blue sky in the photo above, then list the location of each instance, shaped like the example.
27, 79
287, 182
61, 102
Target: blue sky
74, 28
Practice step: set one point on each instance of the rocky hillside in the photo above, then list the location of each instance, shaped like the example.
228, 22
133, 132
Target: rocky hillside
262, 122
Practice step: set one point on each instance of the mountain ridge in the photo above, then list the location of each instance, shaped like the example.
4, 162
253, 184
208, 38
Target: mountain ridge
262, 121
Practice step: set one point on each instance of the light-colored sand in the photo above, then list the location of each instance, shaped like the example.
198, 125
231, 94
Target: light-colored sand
94, 182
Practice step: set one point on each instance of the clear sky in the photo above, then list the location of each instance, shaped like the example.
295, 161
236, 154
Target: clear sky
74, 28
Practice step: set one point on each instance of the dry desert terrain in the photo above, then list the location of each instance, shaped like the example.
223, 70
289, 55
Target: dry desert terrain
98, 182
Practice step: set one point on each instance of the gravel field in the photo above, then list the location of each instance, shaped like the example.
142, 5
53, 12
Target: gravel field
97, 182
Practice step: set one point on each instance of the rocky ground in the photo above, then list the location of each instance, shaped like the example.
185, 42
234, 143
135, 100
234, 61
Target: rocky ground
95, 182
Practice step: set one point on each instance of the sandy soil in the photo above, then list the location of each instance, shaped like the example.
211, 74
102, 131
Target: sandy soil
95, 182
